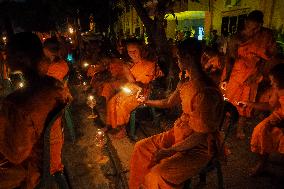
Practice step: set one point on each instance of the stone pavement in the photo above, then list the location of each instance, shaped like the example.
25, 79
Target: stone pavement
85, 173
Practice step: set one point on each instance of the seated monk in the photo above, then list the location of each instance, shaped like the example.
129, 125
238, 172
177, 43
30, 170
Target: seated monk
118, 70
255, 50
23, 116
99, 74
54, 66
268, 135
141, 73
211, 63
168, 159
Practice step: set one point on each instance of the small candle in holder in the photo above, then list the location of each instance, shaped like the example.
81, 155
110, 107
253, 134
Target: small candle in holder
100, 141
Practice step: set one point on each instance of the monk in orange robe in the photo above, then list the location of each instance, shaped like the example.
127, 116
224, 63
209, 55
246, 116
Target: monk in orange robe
256, 46
54, 66
168, 159
23, 116
118, 69
268, 135
141, 73
212, 64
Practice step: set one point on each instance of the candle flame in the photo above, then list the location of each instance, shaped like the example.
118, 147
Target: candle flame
21, 84
126, 90
86, 64
91, 97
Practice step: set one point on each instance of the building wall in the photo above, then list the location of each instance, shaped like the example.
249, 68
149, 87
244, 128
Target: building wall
273, 11
214, 11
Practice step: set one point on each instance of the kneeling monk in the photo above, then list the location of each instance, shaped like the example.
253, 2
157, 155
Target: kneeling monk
168, 159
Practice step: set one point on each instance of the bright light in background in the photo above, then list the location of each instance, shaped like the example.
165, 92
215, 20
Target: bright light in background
85, 64
70, 58
186, 15
91, 97
71, 30
21, 84
4, 39
200, 33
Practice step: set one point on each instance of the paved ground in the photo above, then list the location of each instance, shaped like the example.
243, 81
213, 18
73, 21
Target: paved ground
85, 173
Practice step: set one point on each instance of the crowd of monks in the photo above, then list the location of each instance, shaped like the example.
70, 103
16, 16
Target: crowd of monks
249, 76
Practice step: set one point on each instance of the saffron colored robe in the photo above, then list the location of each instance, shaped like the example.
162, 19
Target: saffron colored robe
122, 104
58, 70
22, 119
202, 108
268, 135
249, 55
118, 79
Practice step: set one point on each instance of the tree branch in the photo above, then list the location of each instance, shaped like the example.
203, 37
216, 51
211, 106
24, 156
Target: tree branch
141, 11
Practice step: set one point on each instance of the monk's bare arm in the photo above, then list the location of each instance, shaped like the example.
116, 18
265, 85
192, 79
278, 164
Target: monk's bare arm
171, 101
265, 106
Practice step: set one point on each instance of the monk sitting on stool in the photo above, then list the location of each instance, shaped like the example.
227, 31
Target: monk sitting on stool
142, 72
168, 159
23, 116
268, 135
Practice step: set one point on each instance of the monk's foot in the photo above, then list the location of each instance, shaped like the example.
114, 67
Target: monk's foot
258, 170
121, 134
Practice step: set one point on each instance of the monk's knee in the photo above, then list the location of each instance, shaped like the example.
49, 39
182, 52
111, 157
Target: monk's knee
153, 178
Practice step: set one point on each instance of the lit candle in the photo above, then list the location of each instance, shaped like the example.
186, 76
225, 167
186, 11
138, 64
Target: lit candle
71, 30
21, 85
85, 64
126, 90
226, 99
91, 97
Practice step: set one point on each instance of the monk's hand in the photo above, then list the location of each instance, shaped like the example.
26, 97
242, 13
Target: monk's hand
141, 99
242, 104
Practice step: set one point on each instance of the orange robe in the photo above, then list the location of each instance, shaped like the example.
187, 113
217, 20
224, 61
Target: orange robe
22, 121
249, 54
122, 104
202, 109
268, 136
58, 70
117, 80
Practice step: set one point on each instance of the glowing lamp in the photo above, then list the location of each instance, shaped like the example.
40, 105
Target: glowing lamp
84, 83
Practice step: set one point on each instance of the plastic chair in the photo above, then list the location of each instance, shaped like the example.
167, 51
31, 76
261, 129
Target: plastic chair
229, 119
47, 180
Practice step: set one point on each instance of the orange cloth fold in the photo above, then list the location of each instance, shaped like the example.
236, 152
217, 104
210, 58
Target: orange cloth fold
122, 104
22, 122
171, 172
268, 135
249, 56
